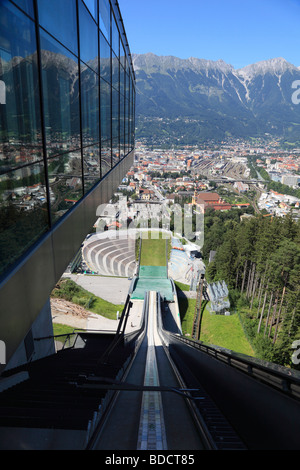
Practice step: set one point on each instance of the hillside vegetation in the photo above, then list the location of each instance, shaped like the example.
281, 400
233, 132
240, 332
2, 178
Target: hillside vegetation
68, 290
259, 259
226, 332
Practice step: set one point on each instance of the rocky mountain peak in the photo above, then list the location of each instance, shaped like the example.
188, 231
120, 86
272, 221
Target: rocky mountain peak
276, 66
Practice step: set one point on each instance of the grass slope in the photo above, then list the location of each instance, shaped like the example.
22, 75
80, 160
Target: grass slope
218, 330
187, 312
153, 252
224, 331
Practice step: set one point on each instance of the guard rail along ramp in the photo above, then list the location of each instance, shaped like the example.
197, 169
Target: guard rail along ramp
178, 393
260, 400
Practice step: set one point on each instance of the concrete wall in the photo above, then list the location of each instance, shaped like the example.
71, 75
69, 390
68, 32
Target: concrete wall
33, 349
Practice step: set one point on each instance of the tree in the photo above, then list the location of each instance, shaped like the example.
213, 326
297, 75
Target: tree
259, 259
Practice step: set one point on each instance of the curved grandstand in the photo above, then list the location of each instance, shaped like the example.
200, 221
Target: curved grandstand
180, 265
108, 255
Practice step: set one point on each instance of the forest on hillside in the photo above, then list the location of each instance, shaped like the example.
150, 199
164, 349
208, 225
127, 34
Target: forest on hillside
259, 259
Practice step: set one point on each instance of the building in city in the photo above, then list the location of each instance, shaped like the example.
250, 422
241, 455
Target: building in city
290, 180
66, 142
241, 187
207, 200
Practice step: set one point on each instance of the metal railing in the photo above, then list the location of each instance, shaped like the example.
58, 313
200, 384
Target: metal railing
282, 378
67, 343
135, 339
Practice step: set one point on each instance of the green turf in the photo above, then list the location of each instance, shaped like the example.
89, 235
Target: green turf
218, 330
153, 272
181, 286
187, 312
143, 285
153, 252
224, 331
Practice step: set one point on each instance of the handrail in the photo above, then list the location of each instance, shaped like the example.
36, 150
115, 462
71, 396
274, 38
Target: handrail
280, 377
139, 260
275, 375
78, 330
119, 335
107, 402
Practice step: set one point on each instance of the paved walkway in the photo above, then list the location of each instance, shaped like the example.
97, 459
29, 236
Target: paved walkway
112, 289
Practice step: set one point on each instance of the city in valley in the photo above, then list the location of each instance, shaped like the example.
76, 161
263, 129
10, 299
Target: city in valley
260, 177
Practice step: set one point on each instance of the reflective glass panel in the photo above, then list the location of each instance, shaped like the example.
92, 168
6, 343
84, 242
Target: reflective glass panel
20, 127
59, 18
90, 106
122, 54
105, 68
23, 211
65, 180
92, 6
125, 83
104, 18
88, 38
91, 166
132, 126
115, 127
115, 72
26, 5
129, 88
60, 93
105, 105
115, 152
115, 37
122, 128
105, 157
126, 126
127, 79
122, 77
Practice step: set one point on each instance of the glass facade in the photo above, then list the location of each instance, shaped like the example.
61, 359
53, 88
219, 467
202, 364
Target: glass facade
66, 111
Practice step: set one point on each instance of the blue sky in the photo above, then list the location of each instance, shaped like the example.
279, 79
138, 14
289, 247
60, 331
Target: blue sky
240, 32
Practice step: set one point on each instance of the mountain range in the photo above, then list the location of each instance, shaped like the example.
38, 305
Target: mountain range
178, 101
193, 100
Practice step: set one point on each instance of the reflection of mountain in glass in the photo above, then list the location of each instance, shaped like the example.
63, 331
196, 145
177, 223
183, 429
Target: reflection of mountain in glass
23, 197
63, 122
89, 106
61, 102
21, 117
20, 127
